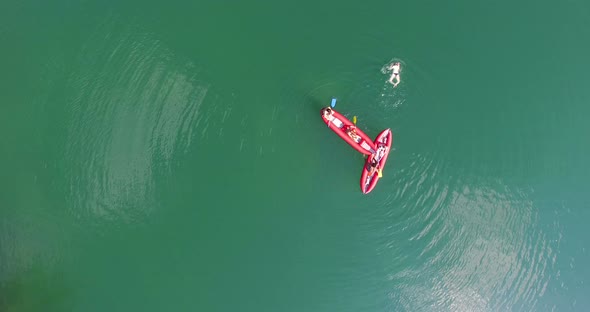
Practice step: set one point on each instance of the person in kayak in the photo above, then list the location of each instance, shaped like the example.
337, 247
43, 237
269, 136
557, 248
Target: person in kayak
380, 151
395, 69
373, 165
328, 113
351, 131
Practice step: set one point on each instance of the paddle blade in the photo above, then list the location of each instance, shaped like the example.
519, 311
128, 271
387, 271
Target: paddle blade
379, 173
333, 102
354, 120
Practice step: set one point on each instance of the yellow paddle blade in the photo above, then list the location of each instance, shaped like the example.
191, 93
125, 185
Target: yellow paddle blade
354, 120
379, 173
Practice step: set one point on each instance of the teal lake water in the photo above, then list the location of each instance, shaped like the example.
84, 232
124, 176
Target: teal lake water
170, 156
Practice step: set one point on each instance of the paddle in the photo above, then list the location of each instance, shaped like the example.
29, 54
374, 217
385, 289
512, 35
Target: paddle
379, 173
354, 120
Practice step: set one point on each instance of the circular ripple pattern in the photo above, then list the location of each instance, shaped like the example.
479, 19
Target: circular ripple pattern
129, 121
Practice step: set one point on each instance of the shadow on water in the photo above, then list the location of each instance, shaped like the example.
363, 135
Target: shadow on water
35, 289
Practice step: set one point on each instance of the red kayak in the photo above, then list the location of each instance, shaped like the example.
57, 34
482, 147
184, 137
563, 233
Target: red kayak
375, 163
348, 131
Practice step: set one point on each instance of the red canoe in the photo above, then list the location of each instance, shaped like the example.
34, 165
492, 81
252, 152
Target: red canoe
370, 177
342, 126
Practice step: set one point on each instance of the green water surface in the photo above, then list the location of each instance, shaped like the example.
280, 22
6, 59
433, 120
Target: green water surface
170, 156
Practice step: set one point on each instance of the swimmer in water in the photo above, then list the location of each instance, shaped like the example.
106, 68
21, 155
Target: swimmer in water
395, 68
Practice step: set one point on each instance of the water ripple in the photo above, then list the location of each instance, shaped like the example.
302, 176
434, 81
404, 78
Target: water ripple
134, 107
481, 251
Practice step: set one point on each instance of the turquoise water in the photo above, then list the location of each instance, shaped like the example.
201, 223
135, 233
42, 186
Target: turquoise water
171, 156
